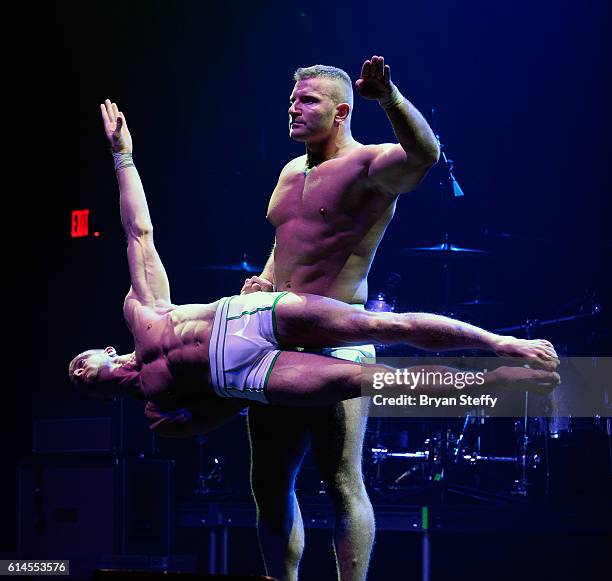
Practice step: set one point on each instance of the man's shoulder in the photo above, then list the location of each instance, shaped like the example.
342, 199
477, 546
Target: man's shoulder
135, 306
363, 153
371, 150
297, 163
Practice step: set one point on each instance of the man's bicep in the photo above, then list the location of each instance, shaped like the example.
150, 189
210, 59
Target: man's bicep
147, 273
392, 170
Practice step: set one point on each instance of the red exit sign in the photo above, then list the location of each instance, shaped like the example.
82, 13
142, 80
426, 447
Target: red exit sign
79, 224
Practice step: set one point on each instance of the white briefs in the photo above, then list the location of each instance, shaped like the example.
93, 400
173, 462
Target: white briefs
243, 346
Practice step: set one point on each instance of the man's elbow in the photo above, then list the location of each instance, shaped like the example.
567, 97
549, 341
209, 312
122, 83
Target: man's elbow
430, 156
422, 160
141, 230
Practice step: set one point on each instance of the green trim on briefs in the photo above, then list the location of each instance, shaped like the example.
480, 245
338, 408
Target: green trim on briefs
278, 298
219, 313
249, 313
265, 385
224, 338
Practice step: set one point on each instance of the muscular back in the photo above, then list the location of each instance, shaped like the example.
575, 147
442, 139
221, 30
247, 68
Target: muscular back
328, 226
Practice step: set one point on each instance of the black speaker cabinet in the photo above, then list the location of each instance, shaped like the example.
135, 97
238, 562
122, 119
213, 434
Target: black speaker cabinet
84, 508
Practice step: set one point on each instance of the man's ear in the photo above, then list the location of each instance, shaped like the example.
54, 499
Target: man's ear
342, 111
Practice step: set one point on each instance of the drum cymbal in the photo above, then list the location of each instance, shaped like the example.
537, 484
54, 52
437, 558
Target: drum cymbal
477, 302
243, 266
446, 250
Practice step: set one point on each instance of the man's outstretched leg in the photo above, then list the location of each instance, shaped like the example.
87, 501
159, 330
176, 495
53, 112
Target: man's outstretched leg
313, 321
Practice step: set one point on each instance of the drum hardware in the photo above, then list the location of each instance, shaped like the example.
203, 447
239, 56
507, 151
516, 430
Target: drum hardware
534, 459
384, 300
242, 266
380, 454
447, 162
531, 324
478, 302
379, 304
523, 435
520, 484
459, 441
446, 251
209, 481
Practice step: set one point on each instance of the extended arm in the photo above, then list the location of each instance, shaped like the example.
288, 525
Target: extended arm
150, 284
397, 168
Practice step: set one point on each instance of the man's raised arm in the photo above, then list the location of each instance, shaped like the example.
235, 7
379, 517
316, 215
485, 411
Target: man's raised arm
150, 284
397, 168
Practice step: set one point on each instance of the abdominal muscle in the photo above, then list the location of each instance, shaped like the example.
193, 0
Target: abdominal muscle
347, 284
178, 370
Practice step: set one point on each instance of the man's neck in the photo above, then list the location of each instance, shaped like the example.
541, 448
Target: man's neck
129, 375
335, 146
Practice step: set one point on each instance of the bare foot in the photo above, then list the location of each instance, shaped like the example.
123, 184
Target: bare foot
538, 353
539, 381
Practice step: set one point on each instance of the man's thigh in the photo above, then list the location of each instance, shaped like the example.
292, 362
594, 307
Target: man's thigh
279, 435
279, 438
339, 430
337, 433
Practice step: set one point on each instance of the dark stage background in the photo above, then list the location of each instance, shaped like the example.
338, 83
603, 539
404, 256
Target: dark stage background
521, 98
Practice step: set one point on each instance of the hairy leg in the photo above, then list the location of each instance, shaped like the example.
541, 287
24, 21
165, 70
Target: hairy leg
308, 379
337, 433
337, 439
313, 321
279, 438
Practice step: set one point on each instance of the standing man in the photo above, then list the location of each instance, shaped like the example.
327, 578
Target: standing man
330, 209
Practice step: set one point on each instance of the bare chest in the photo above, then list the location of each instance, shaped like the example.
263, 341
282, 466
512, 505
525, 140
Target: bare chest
327, 194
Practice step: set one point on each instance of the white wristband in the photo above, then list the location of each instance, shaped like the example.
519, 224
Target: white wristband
122, 160
395, 98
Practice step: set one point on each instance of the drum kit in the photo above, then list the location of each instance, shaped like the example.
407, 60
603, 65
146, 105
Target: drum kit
487, 459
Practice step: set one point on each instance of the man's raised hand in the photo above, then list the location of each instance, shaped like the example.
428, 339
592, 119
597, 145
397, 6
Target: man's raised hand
375, 80
115, 128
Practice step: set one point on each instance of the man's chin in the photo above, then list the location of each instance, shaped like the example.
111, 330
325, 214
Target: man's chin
297, 137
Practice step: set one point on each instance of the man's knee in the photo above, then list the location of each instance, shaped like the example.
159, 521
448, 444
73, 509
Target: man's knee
346, 487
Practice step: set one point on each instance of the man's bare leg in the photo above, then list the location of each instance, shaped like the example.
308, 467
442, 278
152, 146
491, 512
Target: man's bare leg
279, 439
312, 321
337, 440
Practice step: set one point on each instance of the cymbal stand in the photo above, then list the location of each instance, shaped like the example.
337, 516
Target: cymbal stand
457, 192
204, 479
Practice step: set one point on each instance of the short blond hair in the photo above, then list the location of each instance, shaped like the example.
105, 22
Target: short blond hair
344, 92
